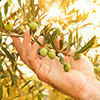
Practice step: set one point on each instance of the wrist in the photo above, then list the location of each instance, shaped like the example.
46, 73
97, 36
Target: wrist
91, 91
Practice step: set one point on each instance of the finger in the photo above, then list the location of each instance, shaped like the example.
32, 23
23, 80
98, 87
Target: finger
17, 44
33, 56
26, 47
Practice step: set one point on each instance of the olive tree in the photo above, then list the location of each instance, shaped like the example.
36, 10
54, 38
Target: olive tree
14, 84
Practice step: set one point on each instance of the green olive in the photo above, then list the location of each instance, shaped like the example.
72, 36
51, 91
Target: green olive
64, 27
9, 2
9, 26
67, 67
51, 54
43, 52
33, 25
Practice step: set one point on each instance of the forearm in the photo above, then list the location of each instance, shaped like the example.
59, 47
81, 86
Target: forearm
91, 91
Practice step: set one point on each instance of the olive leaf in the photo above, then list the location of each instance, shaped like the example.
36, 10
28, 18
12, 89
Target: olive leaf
19, 2
38, 96
61, 44
6, 9
70, 38
0, 40
4, 76
0, 20
17, 96
8, 91
33, 7
87, 45
77, 39
55, 34
12, 78
1, 91
8, 54
62, 61
38, 42
25, 84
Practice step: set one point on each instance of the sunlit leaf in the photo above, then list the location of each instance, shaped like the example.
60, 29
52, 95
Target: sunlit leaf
7, 53
0, 20
39, 97
38, 42
25, 84
71, 44
24, 9
40, 4
12, 78
4, 76
77, 39
54, 46
33, 7
17, 96
61, 44
0, 40
19, 2
70, 38
65, 44
62, 61
8, 91
80, 40
87, 45
37, 11
6, 9
1, 91
56, 33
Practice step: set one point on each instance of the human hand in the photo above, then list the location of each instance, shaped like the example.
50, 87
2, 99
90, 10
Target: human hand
79, 82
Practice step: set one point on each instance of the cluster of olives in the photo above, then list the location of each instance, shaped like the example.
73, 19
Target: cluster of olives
9, 26
44, 52
51, 54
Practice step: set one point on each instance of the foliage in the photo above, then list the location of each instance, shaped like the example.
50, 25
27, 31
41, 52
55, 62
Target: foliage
14, 85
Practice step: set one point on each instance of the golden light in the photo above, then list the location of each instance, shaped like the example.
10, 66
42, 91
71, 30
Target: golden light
54, 11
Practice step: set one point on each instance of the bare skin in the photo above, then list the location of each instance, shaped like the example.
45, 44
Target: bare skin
79, 82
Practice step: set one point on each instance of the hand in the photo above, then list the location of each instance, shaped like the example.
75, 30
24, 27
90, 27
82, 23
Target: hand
79, 82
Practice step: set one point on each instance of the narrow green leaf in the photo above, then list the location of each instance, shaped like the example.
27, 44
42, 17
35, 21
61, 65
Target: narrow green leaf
17, 96
24, 9
37, 11
61, 44
33, 7
0, 40
0, 20
71, 44
87, 45
8, 91
70, 38
1, 91
54, 46
77, 40
19, 2
6, 9
65, 44
62, 61
56, 33
7, 53
25, 84
12, 78
39, 97
38, 42
80, 40
4, 76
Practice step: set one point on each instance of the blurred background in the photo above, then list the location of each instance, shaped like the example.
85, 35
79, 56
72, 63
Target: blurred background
82, 17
